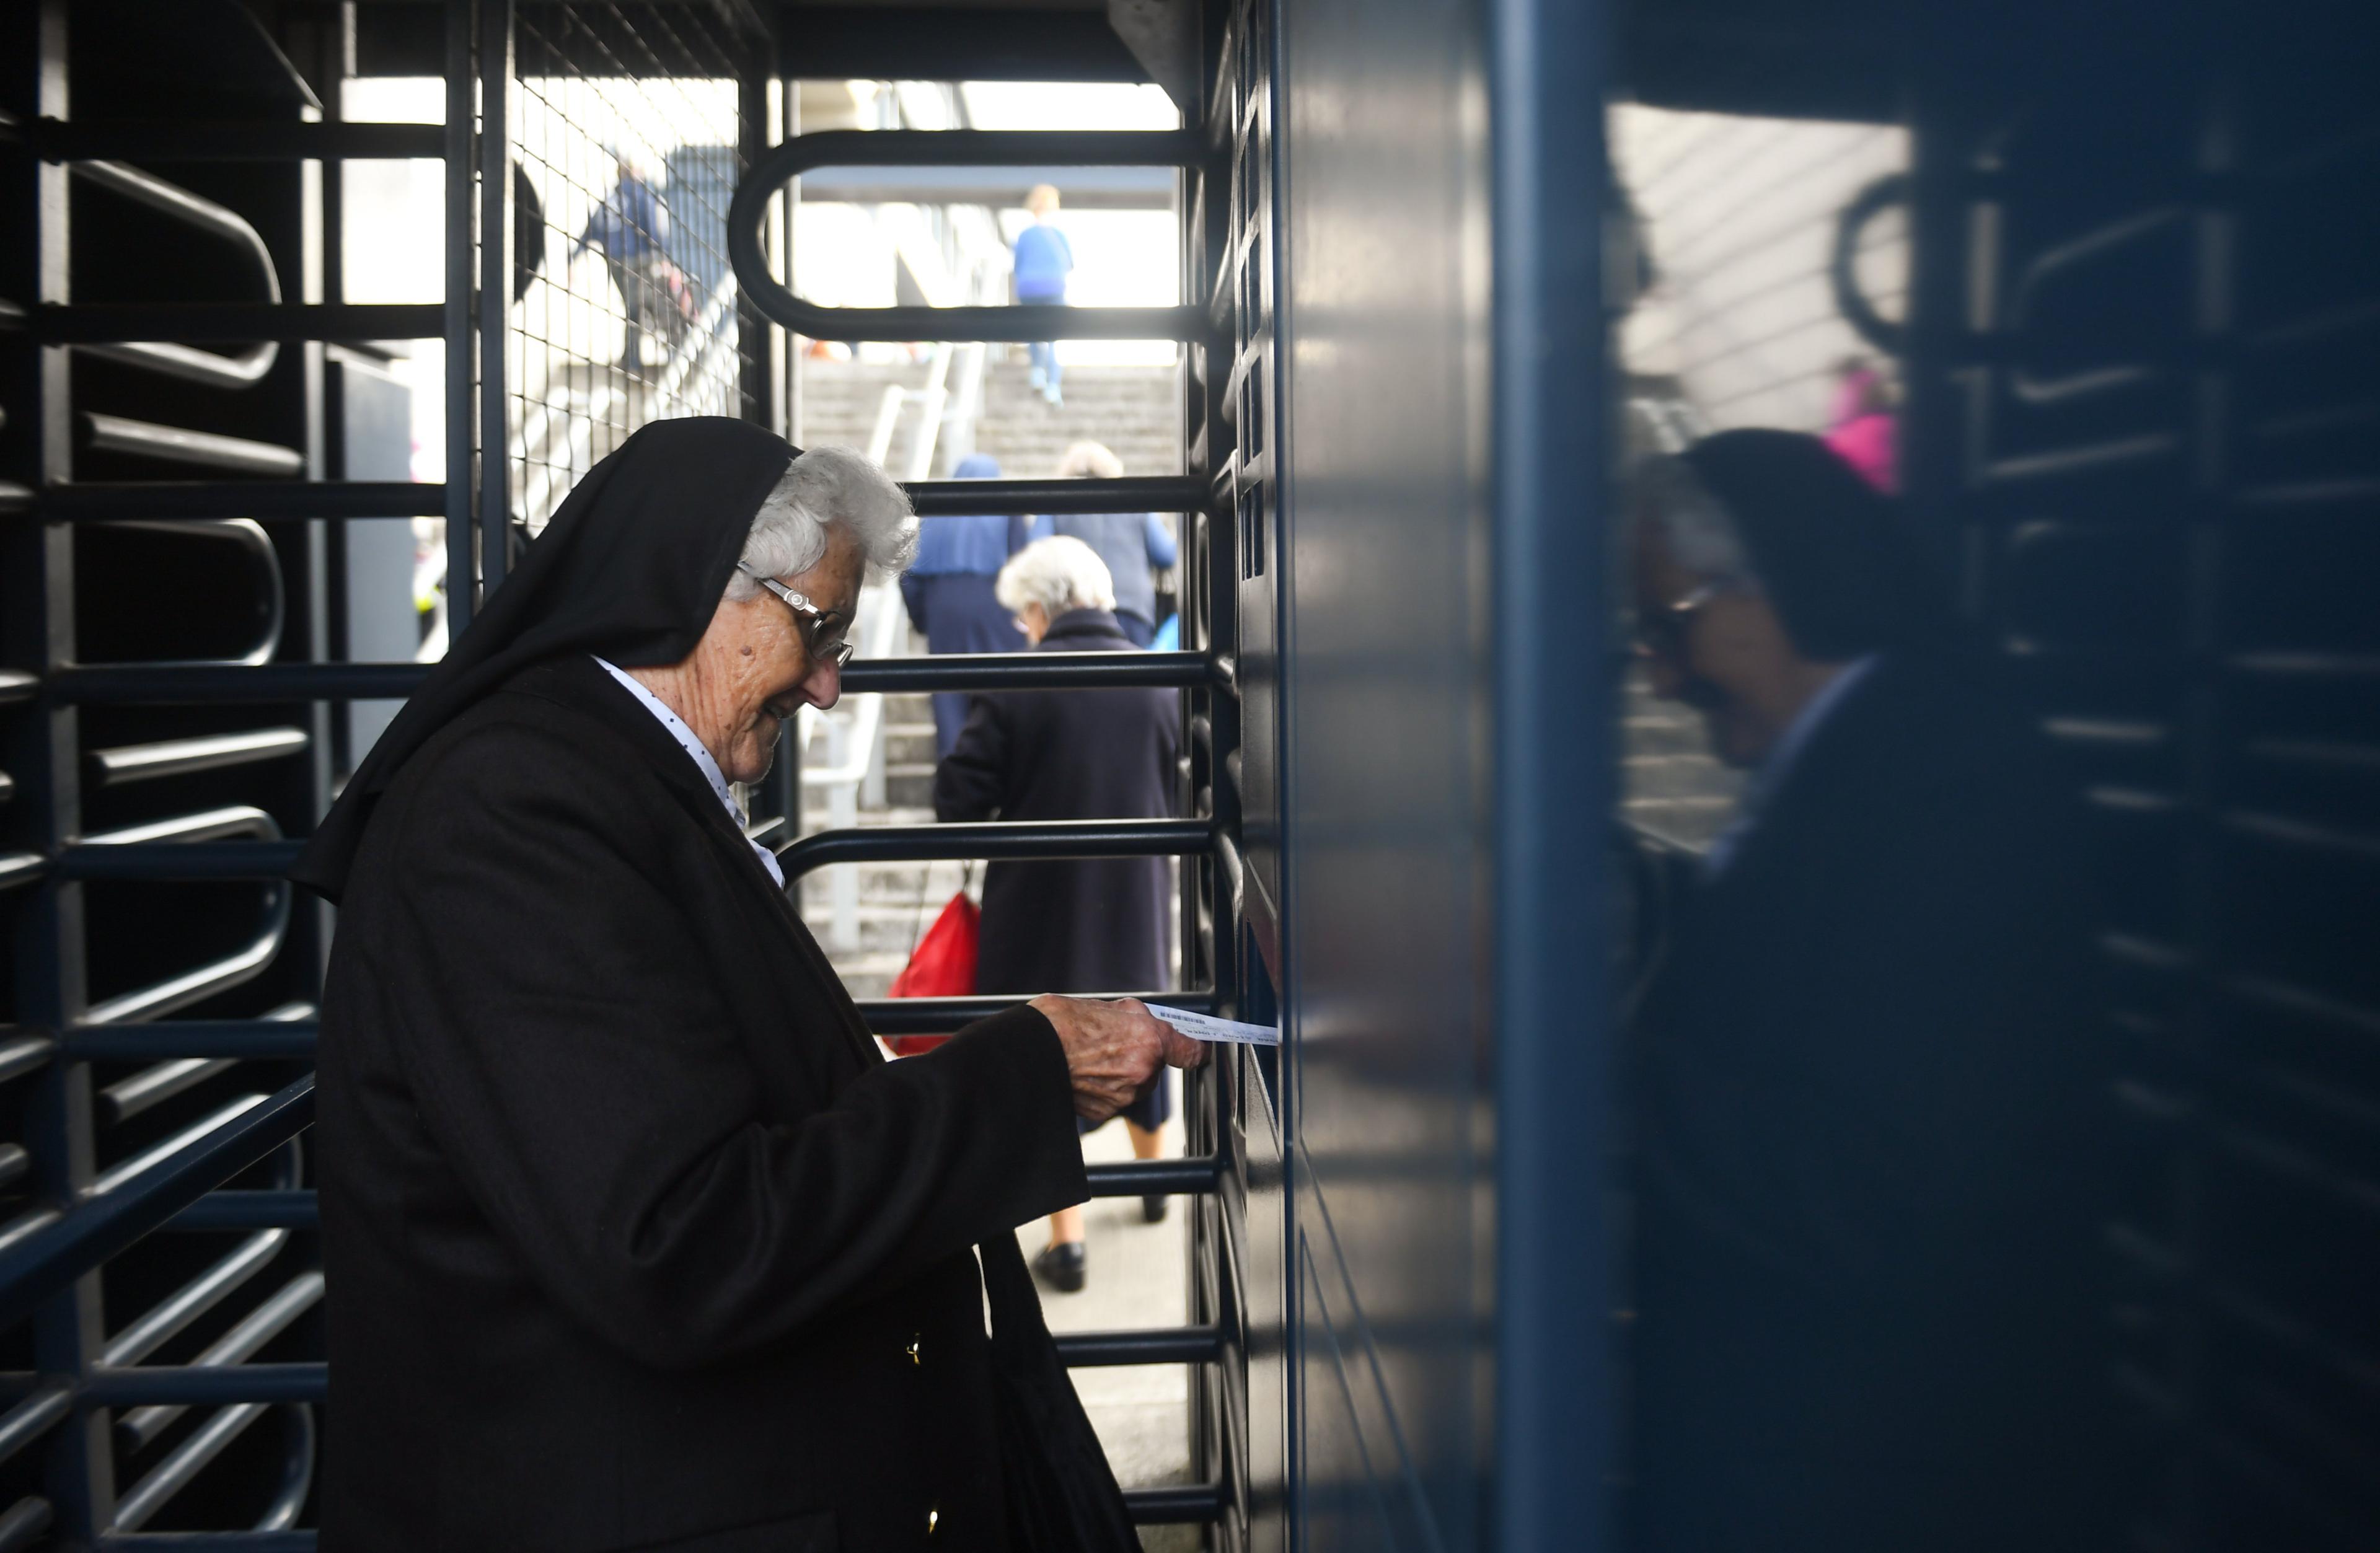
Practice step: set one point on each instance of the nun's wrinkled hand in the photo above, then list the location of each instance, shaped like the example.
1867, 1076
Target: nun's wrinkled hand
1114, 1050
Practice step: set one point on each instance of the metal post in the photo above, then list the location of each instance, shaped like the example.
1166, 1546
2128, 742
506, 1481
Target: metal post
495, 286
461, 103
44, 756
1554, 1427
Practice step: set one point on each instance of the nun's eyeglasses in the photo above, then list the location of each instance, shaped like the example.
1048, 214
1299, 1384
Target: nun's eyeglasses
824, 648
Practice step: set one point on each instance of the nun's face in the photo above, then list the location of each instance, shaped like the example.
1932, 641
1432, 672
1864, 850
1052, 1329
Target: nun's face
761, 662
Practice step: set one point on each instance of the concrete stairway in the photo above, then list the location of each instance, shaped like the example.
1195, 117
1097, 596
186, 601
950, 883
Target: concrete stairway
1136, 411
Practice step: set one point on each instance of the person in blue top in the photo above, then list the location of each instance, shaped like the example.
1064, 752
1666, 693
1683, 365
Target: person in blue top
949, 594
1131, 543
1042, 261
631, 229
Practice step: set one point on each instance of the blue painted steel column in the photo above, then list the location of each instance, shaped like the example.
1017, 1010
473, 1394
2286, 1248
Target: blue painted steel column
1553, 792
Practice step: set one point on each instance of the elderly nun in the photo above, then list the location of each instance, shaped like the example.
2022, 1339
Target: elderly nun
633, 1238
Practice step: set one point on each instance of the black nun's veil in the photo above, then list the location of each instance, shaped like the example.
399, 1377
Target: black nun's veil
631, 567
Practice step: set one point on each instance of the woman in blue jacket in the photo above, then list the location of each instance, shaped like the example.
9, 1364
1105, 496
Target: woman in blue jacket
948, 591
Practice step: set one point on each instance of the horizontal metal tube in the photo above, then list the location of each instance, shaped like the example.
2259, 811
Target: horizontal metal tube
169, 501
177, 684
15, 685
1155, 1178
936, 1016
146, 438
189, 322
181, 861
54, 1254
961, 498
20, 867
177, 139
1160, 1345
265, 1037
205, 1385
1031, 671
1041, 838
14, 1163
170, 757
290, 1210
207, 1542
1177, 1505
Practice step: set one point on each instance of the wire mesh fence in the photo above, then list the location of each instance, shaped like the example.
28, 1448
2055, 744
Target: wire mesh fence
623, 125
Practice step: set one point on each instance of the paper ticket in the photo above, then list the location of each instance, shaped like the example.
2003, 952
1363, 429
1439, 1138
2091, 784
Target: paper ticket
1207, 1027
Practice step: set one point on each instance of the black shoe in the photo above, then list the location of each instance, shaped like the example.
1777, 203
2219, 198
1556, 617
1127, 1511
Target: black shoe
1153, 1209
1065, 1266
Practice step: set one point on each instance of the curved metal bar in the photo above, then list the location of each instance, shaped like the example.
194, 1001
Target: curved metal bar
297, 1472
953, 148
251, 538
193, 1300
260, 1327
71, 1245
187, 362
202, 981
998, 840
1842, 265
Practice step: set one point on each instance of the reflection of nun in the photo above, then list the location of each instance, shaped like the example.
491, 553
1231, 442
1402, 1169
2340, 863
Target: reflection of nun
634, 1238
948, 591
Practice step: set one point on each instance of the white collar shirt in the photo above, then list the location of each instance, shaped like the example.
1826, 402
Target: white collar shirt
702, 759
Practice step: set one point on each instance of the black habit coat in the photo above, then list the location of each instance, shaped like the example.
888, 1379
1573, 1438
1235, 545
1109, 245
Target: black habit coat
1870, 1190
634, 1240
1084, 924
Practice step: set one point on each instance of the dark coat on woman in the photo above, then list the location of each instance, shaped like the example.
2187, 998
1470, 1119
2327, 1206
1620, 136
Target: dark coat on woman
636, 1240
958, 612
1870, 1191
633, 1239
1088, 925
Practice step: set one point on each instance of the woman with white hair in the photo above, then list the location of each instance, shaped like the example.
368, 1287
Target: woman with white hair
1134, 545
633, 1238
1086, 924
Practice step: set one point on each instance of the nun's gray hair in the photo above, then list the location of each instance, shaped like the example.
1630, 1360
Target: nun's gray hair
824, 487
1060, 573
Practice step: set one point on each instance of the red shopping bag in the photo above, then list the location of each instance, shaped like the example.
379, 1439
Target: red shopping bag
942, 965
